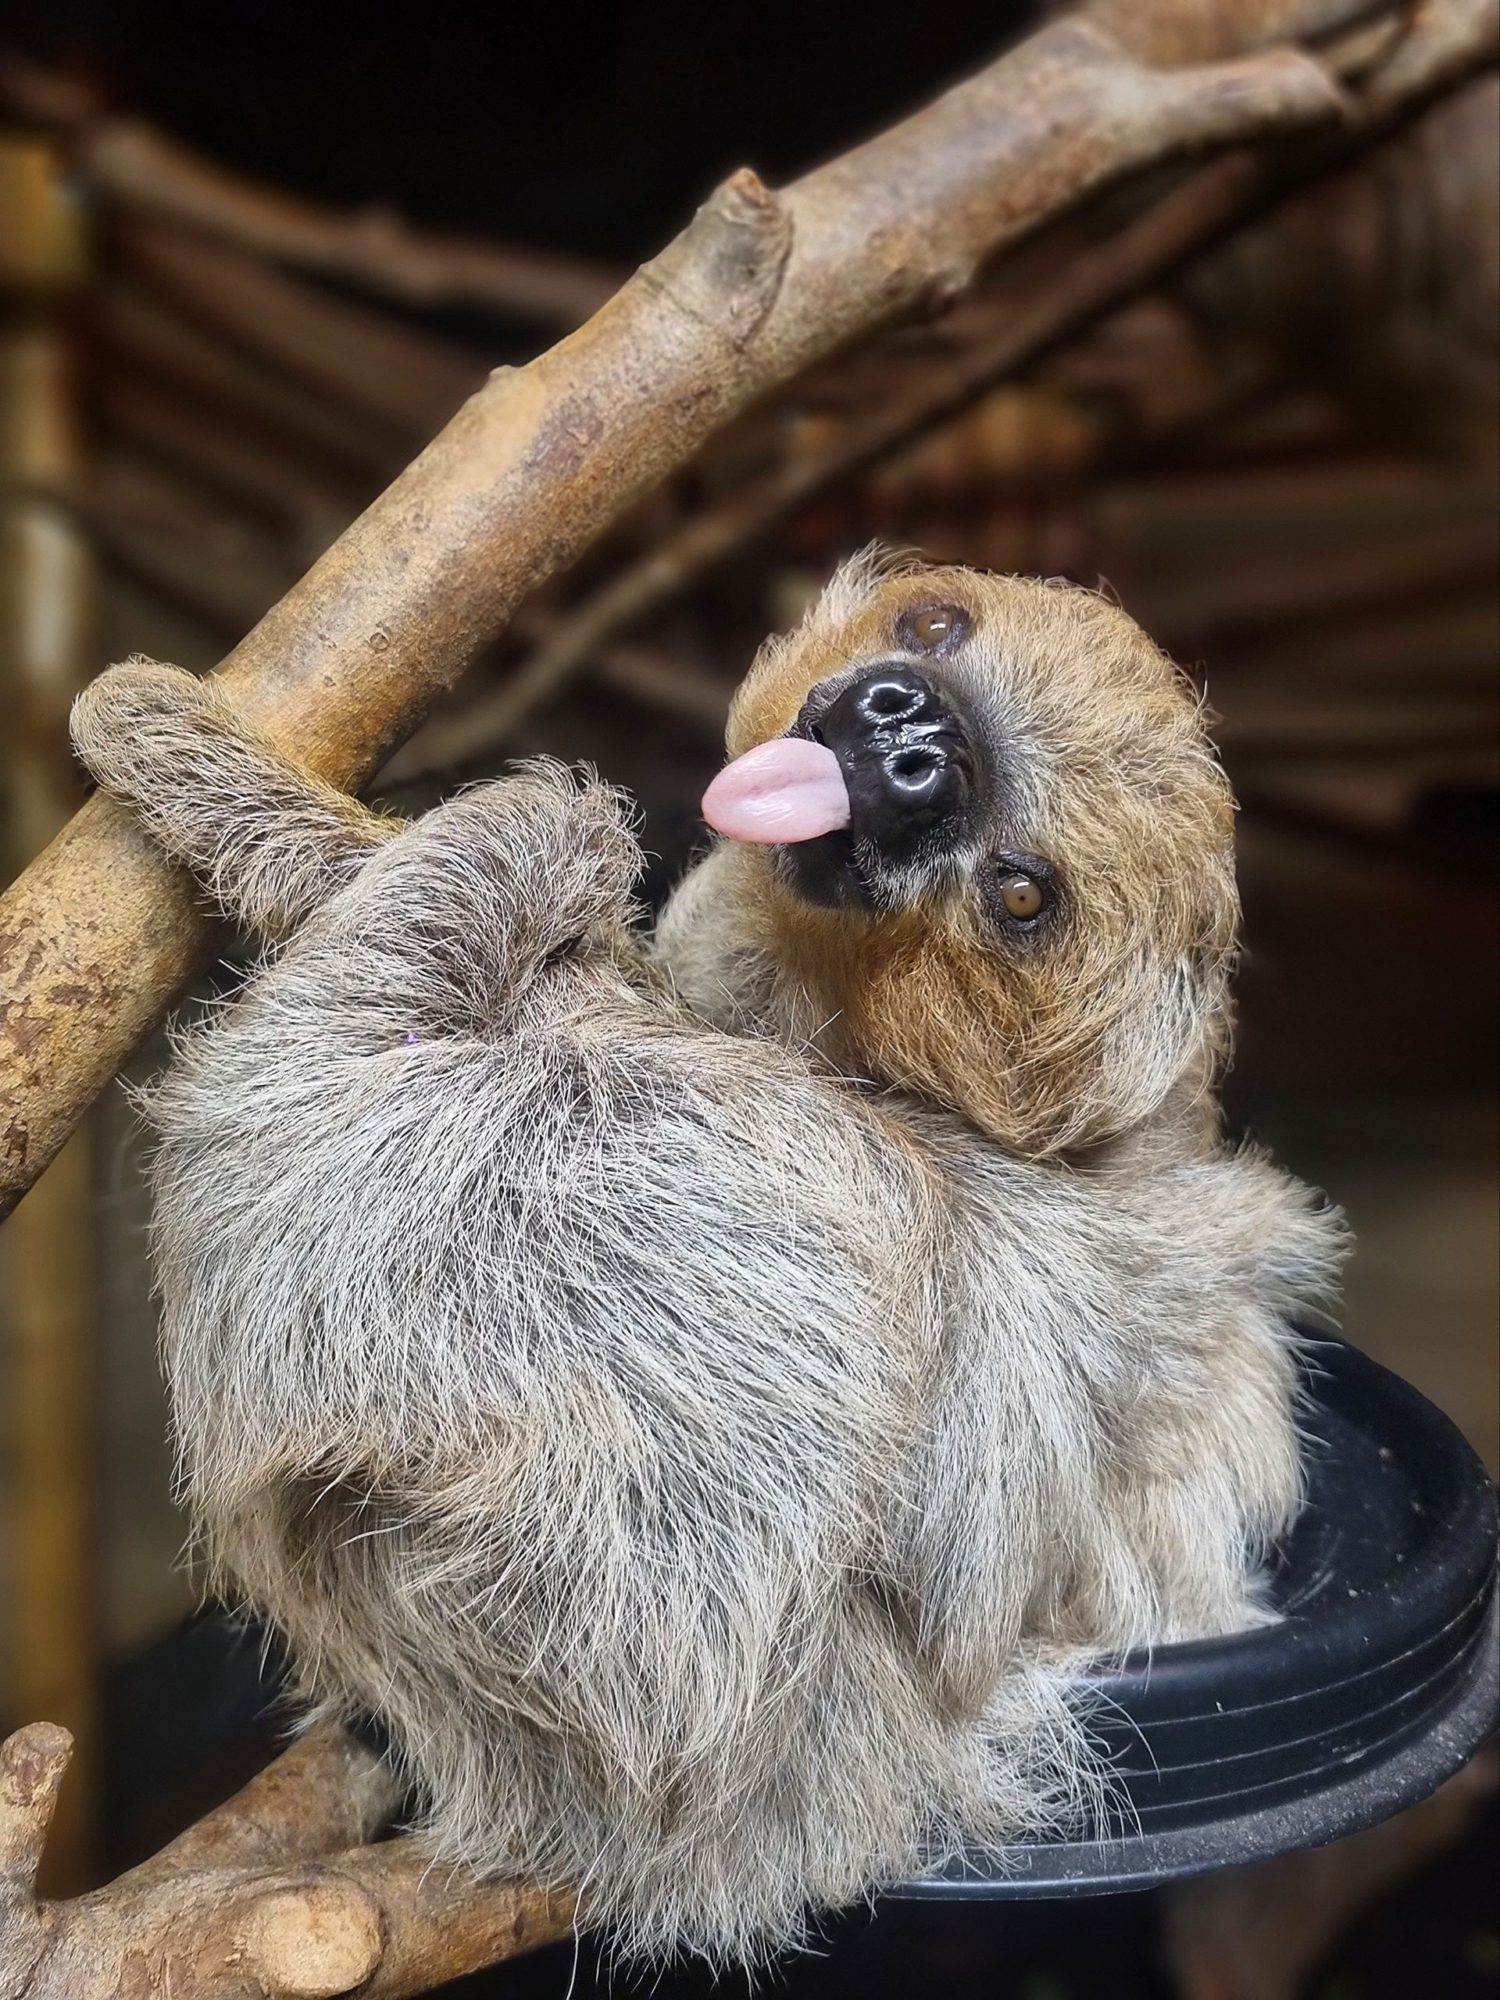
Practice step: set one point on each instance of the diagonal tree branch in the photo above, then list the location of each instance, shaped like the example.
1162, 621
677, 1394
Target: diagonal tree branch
98, 934
1218, 200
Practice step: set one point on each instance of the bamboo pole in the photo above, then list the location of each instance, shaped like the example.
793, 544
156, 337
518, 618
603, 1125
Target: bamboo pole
44, 637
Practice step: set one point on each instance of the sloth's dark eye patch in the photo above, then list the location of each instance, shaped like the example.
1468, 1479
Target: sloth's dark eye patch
932, 628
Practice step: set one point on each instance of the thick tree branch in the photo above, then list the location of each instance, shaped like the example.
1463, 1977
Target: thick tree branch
98, 934
325, 1793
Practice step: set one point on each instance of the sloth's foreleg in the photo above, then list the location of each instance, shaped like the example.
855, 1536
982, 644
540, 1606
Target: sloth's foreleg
270, 842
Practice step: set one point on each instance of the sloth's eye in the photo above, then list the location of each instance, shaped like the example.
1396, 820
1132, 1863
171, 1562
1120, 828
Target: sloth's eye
932, 627
1018, 893
1022, 897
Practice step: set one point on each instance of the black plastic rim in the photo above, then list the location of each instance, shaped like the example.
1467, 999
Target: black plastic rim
1382, 1679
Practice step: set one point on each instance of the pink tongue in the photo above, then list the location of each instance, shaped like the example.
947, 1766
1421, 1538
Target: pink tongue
782, 791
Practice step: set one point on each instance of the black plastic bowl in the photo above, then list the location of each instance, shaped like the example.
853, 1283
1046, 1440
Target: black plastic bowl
1382, 1679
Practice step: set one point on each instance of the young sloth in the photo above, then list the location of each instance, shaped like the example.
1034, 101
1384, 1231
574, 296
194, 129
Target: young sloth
708, 1395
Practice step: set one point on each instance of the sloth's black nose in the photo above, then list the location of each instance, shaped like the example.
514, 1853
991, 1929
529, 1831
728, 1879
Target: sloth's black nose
905, 755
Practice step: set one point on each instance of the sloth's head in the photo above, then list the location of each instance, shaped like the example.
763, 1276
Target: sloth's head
991, 846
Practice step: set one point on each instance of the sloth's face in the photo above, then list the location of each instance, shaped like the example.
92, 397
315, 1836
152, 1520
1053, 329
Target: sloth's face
1030, 910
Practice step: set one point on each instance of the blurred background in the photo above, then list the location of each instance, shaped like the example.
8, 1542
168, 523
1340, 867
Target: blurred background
249, 265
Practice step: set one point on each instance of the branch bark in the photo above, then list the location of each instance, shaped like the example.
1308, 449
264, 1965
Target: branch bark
98, 934
263, 1900
47, 1413
1168, 32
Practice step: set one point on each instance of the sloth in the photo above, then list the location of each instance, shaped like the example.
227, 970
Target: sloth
712, 1394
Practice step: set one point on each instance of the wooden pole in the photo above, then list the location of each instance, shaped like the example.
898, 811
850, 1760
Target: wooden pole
44, 642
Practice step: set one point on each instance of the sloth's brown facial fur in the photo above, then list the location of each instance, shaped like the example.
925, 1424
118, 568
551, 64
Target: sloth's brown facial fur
1052, 959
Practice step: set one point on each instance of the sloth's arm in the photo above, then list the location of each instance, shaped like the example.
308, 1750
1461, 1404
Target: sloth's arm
268, 841
459, 1097
463, 1120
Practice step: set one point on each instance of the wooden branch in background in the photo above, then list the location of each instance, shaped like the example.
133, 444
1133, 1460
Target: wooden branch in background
211, 454
403, 381
1257, 1933
272, 1897
215, 566
1217, 201
1398, 557
142, 172
134, 327
99, 933
1384, 283
150, 173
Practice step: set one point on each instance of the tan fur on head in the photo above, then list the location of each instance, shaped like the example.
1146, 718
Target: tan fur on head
1059, 1042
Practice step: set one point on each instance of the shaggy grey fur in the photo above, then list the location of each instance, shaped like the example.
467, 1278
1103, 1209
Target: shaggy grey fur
709, 1467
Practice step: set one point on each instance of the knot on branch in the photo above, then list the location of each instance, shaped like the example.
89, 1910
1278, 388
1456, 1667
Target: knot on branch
725, 269
313, 1942
32, 1763
1248, 98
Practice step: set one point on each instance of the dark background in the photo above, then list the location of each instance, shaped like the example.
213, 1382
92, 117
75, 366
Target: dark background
594, 129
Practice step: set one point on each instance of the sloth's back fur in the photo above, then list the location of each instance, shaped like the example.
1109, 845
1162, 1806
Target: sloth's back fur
710, 1472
